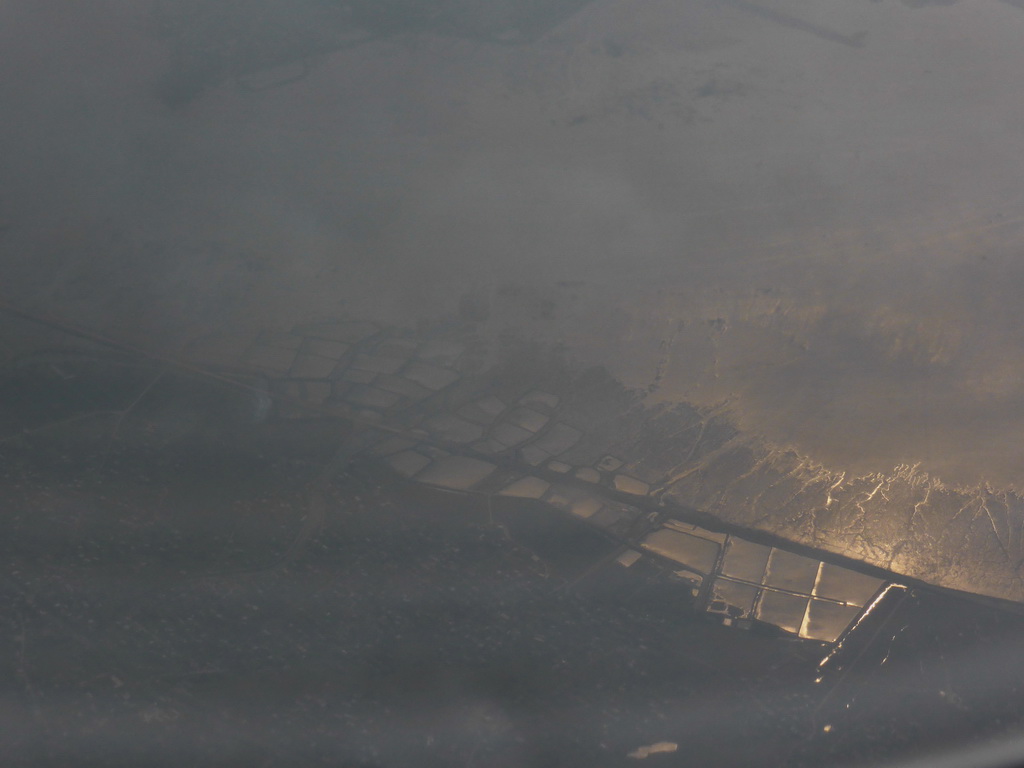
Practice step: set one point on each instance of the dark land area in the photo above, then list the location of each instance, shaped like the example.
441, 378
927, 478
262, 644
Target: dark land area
181, 589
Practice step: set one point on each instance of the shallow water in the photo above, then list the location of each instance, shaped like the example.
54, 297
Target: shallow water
803, 219
159, 614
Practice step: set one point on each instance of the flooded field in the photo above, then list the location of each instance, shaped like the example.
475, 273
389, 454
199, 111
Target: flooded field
175, 597
510, 382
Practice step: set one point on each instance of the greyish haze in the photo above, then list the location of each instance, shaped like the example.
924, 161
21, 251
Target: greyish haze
806, 216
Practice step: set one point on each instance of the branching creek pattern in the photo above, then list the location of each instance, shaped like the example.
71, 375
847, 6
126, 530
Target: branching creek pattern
404, 546
511, 383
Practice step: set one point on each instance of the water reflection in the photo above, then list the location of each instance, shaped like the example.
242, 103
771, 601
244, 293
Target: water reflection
175, 593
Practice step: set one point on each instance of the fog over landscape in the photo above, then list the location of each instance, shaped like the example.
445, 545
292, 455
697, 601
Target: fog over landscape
511, 382
810, 213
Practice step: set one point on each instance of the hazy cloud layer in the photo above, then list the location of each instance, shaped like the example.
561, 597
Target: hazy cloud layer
718, 200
